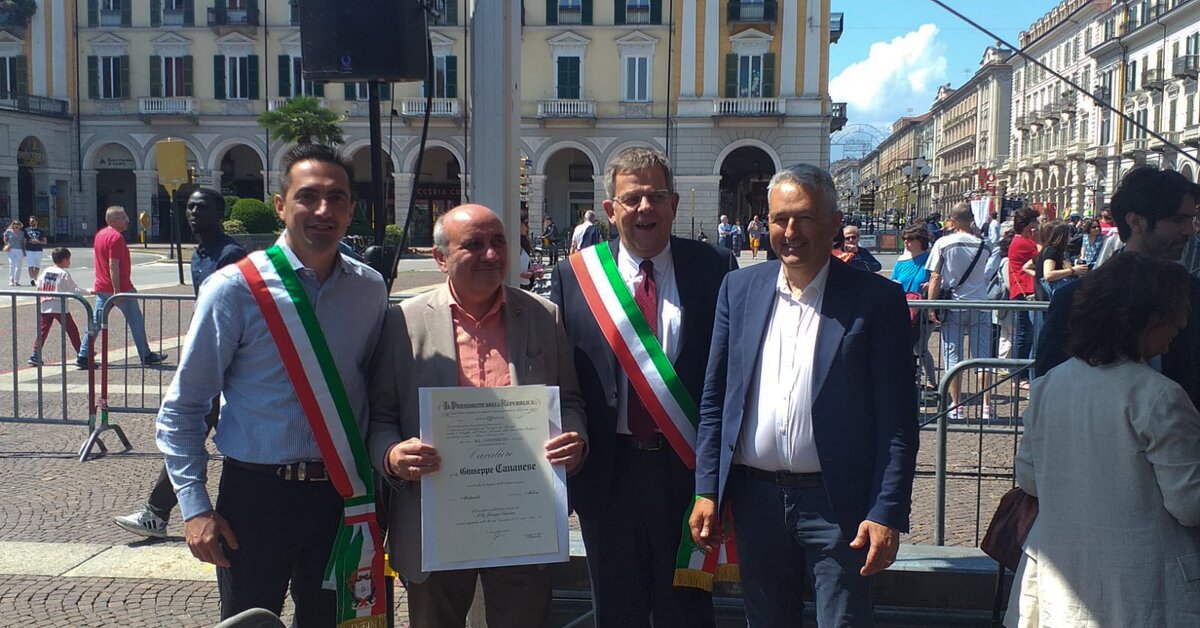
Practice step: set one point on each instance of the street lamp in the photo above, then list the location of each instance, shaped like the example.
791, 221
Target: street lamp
917, 171
870, 186
1096, 193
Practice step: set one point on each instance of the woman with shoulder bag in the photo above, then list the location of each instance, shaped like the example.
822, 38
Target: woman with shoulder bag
911, 274
1021, 251
1053, 269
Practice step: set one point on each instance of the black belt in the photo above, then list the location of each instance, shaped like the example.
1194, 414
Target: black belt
304, 471
628, 441
784, 479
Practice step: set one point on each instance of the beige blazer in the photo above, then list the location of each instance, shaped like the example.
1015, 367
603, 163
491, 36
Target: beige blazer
417, 349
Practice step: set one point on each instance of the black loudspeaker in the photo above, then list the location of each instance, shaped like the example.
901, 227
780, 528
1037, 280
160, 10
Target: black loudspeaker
364, 40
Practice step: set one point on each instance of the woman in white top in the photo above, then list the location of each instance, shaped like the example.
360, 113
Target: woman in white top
1112, 452
14, 244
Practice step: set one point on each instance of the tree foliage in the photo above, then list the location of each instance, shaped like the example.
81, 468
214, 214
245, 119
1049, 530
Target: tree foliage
302, 120
255, 216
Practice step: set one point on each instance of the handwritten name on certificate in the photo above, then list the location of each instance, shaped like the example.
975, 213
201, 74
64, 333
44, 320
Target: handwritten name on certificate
496, 500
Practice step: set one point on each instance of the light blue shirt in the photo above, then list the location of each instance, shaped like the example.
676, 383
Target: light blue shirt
230, 351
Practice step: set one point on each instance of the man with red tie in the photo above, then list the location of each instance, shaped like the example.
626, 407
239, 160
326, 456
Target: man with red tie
639, 312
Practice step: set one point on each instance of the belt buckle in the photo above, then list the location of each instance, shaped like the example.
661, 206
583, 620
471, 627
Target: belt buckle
301, 471
284, 471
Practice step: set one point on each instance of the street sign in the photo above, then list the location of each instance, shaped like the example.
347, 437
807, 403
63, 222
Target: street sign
172, 164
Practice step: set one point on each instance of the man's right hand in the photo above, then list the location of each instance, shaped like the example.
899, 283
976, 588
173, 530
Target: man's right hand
705, 528
204, 533
410, 459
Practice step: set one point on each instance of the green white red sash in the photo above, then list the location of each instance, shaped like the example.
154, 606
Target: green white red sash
355, 568
654, 380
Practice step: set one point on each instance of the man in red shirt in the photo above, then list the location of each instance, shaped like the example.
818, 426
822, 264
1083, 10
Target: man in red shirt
112, 276
1020, 283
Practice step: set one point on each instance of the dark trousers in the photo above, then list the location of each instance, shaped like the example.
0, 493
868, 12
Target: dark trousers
633, 543
285, 532
785, 537
47, 321
1023, 338
162, 495
514, 597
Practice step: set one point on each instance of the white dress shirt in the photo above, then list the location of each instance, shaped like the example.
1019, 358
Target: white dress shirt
670, 315
778, 433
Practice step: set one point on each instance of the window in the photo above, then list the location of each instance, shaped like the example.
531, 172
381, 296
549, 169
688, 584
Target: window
445, 77
172, 77
570, 11
637, 11
297, 86
110, 13
447, 13
751, 10
569, 77
237, 78
637, 80
174, 12
749, 83
12, 76
111, 77
1131, 84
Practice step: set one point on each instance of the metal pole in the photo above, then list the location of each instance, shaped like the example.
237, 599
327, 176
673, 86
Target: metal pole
379, 213
176, 236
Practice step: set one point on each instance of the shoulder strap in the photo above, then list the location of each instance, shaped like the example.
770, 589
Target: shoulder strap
970, 268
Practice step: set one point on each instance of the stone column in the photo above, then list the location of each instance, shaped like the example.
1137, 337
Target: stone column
147, 187
403, 192
703, 212
537, 202
83, 207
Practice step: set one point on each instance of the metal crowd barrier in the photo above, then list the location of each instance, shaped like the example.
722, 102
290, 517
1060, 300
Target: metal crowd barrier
56, 363
968, 449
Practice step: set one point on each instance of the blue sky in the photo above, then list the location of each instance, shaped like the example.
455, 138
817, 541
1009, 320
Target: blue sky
894, 54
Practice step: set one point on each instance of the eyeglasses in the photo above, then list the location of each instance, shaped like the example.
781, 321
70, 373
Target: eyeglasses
656, 197
850, 238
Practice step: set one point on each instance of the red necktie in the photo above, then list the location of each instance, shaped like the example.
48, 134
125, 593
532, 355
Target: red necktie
641, 424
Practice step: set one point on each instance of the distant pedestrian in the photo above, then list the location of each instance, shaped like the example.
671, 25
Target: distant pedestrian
112, 267
737, 237
725, 233
854, 255
1093, 241
586, 229
14, 245
56, 279
754, 232
911, 274
35, 241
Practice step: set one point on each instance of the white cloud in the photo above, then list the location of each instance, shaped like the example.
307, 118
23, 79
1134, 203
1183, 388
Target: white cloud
896, 76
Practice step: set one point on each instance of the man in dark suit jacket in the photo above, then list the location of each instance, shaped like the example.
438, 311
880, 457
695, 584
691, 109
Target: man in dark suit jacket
808, 423
633, 491
1154, 210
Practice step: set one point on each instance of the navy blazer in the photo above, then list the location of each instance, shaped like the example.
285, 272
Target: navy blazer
865, 401
699, 269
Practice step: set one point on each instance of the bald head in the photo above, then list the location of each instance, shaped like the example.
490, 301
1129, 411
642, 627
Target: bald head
470, 213
471, 248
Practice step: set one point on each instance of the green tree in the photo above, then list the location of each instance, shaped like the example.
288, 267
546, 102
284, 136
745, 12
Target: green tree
303, 120
255, 216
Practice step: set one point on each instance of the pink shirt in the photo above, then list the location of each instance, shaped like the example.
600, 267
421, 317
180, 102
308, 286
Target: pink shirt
110, 244
1020, 251
482, 345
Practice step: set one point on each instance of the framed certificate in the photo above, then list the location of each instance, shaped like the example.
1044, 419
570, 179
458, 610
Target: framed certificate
497, 500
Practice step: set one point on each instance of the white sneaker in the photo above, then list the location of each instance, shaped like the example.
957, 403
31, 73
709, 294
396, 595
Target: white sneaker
988, 413
955, 414
143, 523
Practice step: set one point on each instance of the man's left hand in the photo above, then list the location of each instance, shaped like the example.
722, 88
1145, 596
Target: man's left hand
885, 542
567, 449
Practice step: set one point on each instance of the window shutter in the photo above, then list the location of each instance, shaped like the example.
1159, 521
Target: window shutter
349, 92
656, 11
253, 76
586, 17
319, 90
733, 12
156, 12
218, 77
252, 6
451, 76
551, 12
619, 11
451, 12
285, 76
124, 77
731, 75
769, 11
22, 74
563, 76
93, 13
385, 91
93, 71
768, 75
189, 12
156, 85
188, 90
126, 13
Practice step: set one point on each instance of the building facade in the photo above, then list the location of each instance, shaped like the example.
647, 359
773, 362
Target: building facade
731, 90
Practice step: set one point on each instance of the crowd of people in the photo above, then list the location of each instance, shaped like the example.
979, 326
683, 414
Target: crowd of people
792, 379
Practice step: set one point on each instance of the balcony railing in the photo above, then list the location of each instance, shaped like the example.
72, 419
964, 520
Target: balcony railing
835, 27
172, 17
12, 19
275, 103
1133, 146
1153, 79
15, 101
440, 108
110, 17
224, 16
570, 14
751, 11
1187, 66
1158, 146
1101, 94
167, 106
748, 107
838, 114
637, 14
566, 108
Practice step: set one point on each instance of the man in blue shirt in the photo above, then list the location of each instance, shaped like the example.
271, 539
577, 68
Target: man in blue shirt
277, 514
205, 209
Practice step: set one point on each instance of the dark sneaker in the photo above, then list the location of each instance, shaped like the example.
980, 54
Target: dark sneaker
143, 523
81, 362
34, 361
154, 358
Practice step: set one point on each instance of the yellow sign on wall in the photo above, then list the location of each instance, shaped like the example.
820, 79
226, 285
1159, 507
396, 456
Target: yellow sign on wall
171, 156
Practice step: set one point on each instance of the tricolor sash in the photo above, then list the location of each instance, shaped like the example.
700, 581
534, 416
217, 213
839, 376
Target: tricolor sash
654, 380
355, 568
